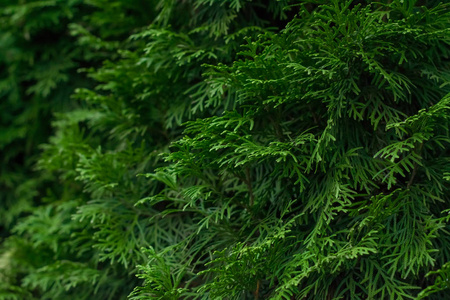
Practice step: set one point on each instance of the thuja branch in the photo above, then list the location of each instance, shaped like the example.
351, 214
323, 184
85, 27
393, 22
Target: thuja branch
414, 172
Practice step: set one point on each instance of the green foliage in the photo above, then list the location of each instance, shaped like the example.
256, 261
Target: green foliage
227, 150
36, 62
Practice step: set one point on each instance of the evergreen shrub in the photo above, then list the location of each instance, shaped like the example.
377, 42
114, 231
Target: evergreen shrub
226, 150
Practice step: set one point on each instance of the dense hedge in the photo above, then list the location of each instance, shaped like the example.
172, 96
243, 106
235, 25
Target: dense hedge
206, 149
